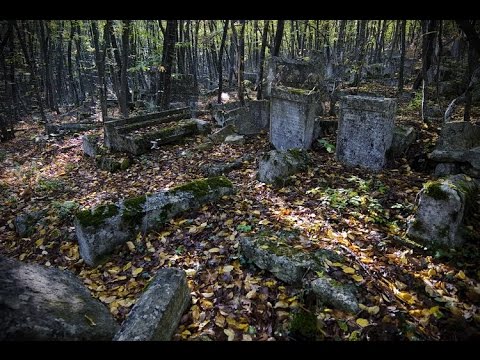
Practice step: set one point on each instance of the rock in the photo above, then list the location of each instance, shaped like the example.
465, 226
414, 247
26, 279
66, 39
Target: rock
158, 311
235, 139
220, 135
38, 303
292, 115
222, 168
101, 229
402, 139
470, 156
440, 210
459, 135
335, 294
25, 223
282, 260
203, 127
365, 131
207, 145
112, 164
444, 169
275, 166
90, 145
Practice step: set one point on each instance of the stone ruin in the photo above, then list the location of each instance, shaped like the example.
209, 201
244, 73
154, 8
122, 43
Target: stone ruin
458, 149
93, 147
251, 119
365, 131
139, 134
100, 230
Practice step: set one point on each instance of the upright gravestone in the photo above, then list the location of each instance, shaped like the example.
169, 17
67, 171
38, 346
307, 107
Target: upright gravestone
365, 131
292, 116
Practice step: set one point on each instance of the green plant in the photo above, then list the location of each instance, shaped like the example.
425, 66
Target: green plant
327, 145
416, 102
244, 228
65, 208
49, 185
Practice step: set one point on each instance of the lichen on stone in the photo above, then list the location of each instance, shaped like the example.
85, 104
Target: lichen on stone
202, 187
435, 191
133, 210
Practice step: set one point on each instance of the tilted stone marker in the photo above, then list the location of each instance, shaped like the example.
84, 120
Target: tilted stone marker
276, 166
101, 229
158, 311
292, 117
365, 131
441, 208
38, 303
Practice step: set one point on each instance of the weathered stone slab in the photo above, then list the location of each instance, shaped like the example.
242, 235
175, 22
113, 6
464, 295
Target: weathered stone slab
470, 156
365, 131
235, 139
220, 135
276, 166
38, 303
292, 116
90, 145
222, 168
403, 138
71, 127
101, 229
440, 210
459, 135
335, 294
157, 313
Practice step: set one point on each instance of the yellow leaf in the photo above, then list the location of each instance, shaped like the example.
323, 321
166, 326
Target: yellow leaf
230, 333
22, 256
206, 304
207, 294
131, 246
246, 337
366, 260
251, 294
227, 268
281, 304
136, 271
127, 266
357, 278
39, 242
185, 334
114, 270
461, 275
214, 250
270, 283
264, 222
409, 299
431, 272
190, 272
228, 222
373, 310
193, 229
362, 322
337, 264
348, 270
220, 320
256, 212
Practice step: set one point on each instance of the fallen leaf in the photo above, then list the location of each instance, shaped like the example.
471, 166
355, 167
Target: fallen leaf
281, 304
227, 268
230, 333
190, 272
131, 246
251, 294
136, 271
220, 320
362, 322
460, 275
357, 278
348, 270
214, 250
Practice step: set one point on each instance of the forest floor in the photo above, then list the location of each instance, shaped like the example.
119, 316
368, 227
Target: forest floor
407, 291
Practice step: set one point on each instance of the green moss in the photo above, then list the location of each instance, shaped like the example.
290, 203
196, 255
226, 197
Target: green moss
133, 210
434, 190
202, 187
296, 91
124, 164
304, 325
97, 216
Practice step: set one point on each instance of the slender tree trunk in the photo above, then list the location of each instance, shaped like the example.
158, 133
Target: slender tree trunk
241, 63
78, 60
123, 101
402, 56
427, 50
100, 62
169, 57
262, 61
278, 38
220, 62
73, 84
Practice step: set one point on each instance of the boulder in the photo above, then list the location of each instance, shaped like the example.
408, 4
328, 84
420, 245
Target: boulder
440, 210
101, 229
158, 311
38, 303
459, 135
222, 168
335, 294
235, 139
90, 145
275, 166
403, 137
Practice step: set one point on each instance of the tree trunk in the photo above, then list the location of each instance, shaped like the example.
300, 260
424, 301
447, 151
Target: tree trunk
402, 56
262, 61
241, 62
427, 51
100, 62
220, 62
169, 51
73, 84
123, 101
278, 38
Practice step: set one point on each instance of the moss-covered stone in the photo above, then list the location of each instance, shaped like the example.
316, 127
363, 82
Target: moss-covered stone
97, 216
133, 211
434, 190
303, 325
202, 187
124, 164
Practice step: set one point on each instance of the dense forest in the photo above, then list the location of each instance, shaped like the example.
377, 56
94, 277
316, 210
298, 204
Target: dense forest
239, 179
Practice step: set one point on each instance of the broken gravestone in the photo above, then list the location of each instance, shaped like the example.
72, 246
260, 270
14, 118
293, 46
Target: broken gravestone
109, 162
292, 116
292, 265
220, 135
276, 166
235, 140
38, 303
222, 168
101, 229
440, 210
403, 138
158, 311
365, 131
